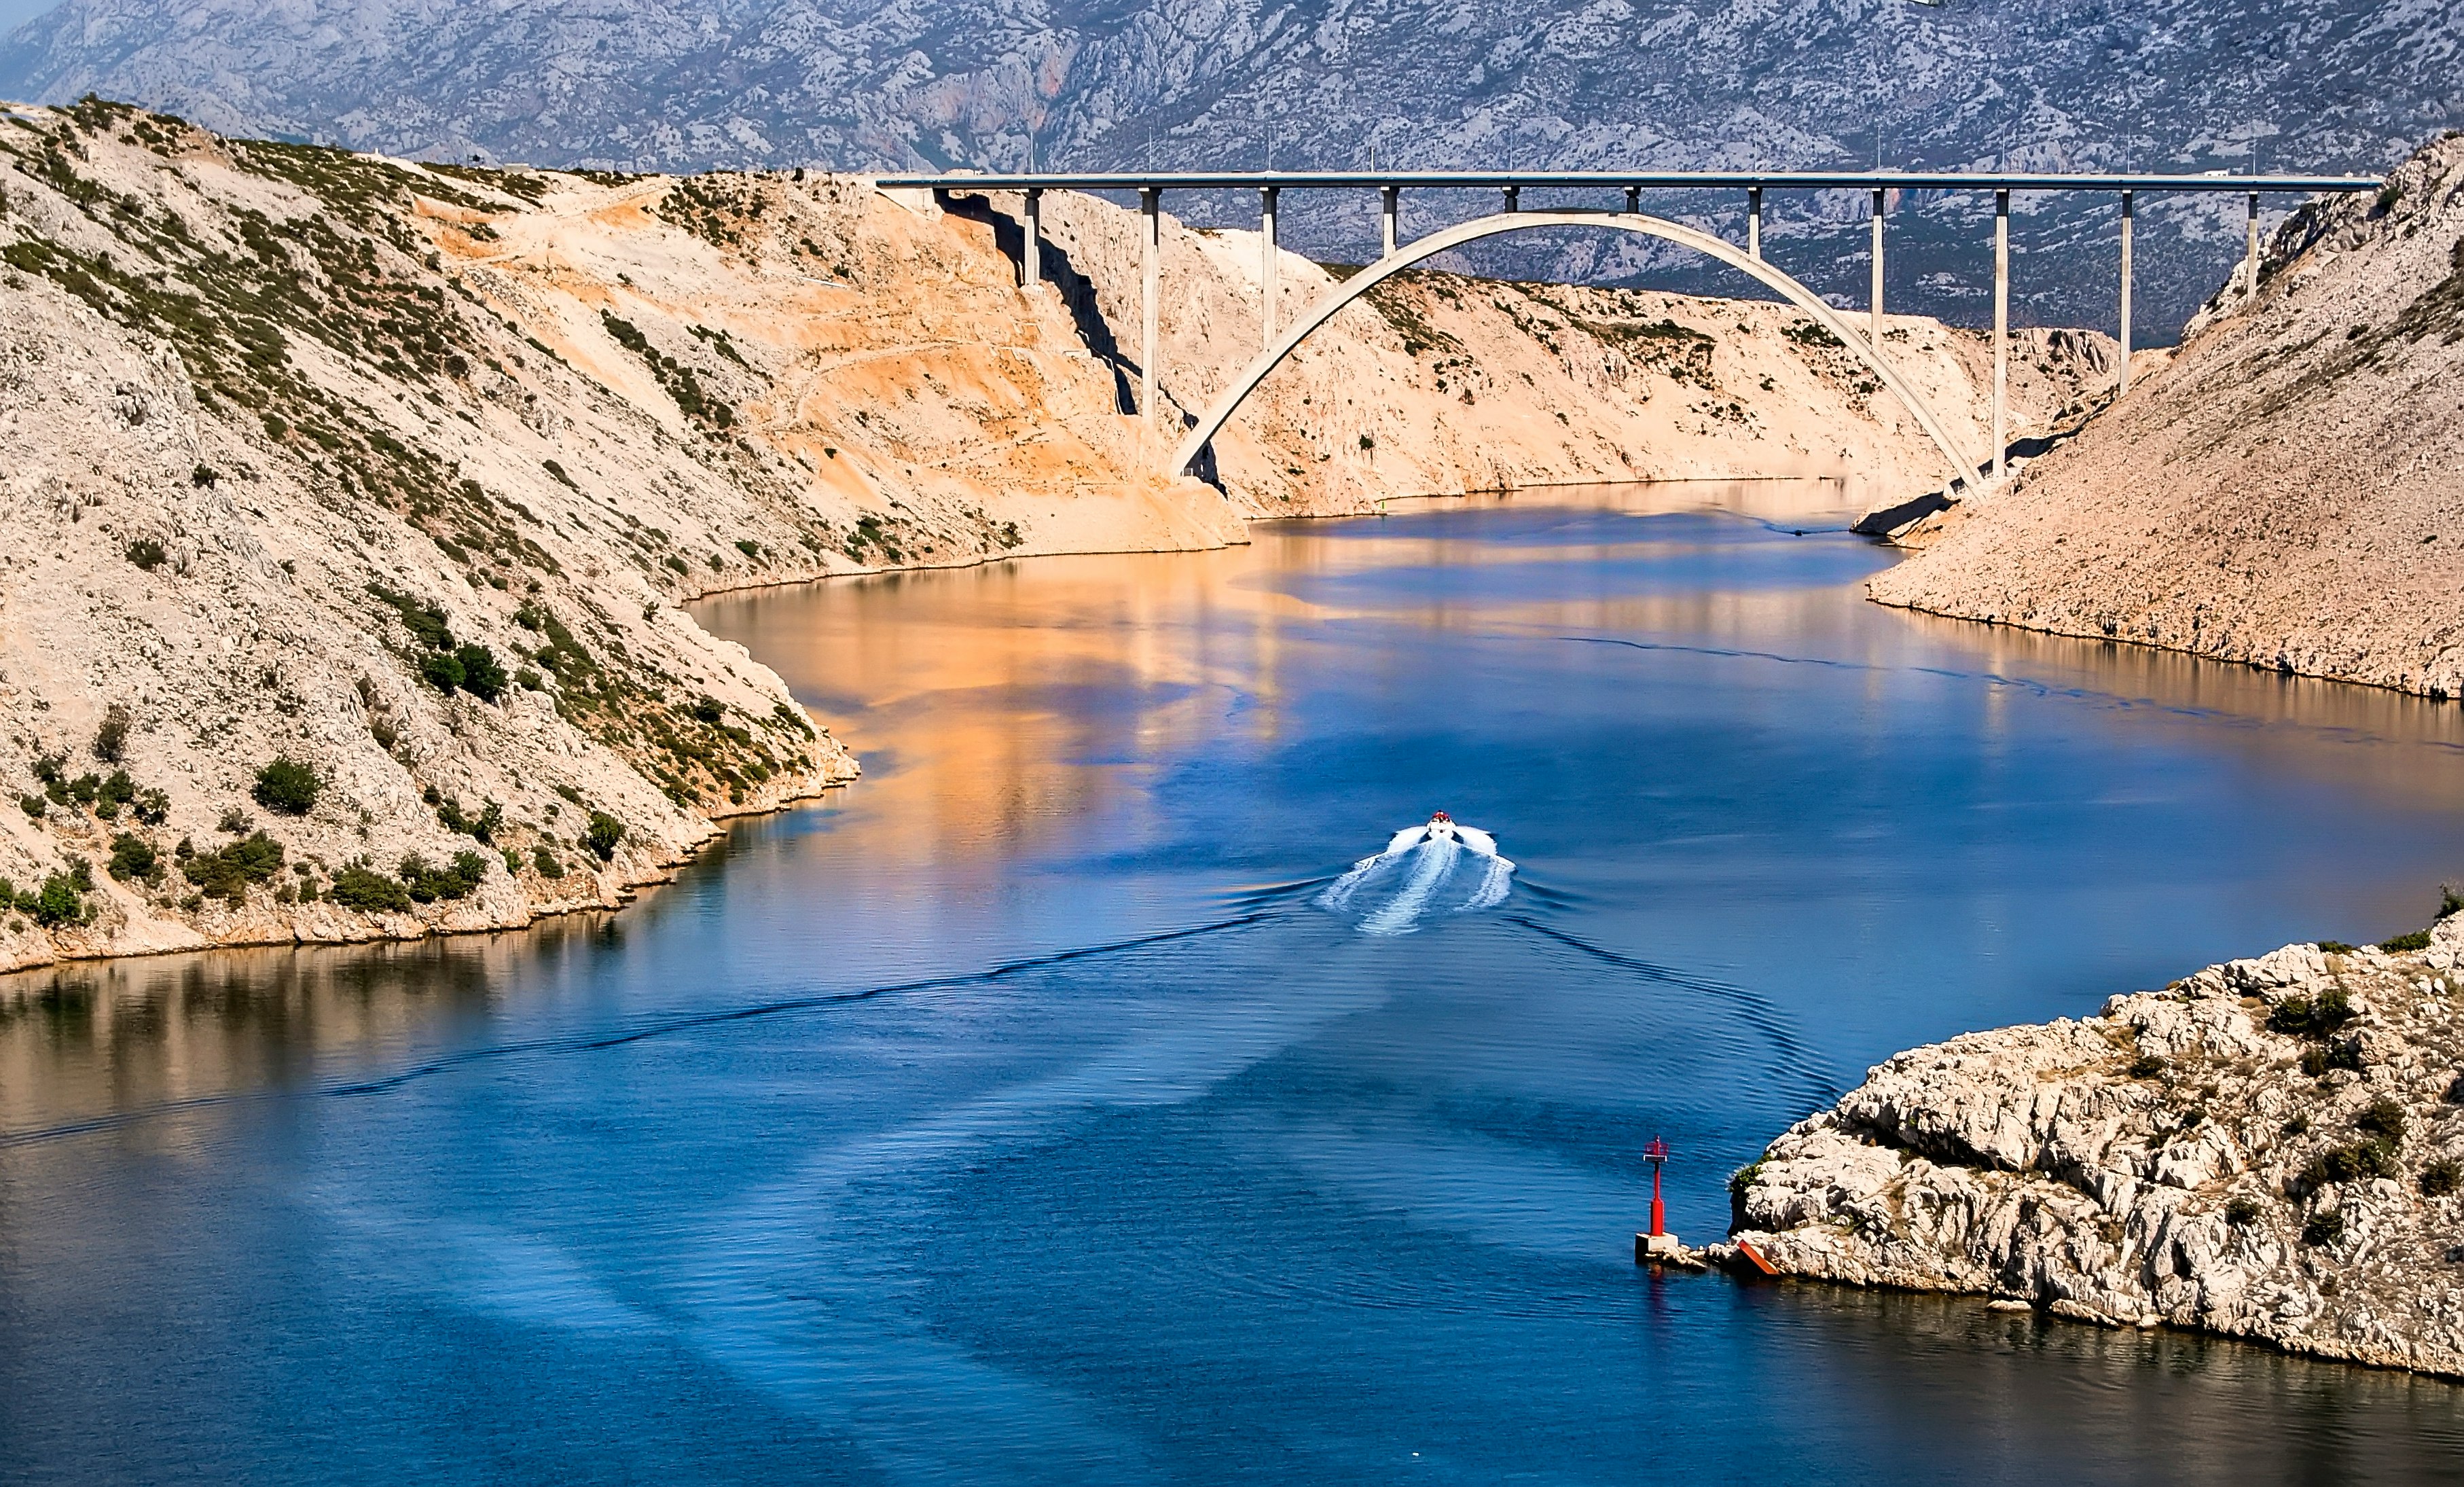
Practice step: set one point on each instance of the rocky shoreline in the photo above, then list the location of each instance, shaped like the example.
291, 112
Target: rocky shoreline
2270, 1149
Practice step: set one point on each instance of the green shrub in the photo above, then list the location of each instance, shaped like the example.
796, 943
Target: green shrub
2242, 1211
2418, 940
1742, 1177
287, 787
2440, 1178
2354, 1162
2384, 1118
603, 834
60, 903
227, 873
32, 805
481, 827
455, 879
235, 821
483, 677
708, 709
2451, 899
356, 886
546, 861
425, 622
133, 858
146, 553
111, 739
152, 807
442, 670
2146, 1066
2323, 1229
2334, 947
2302, 1017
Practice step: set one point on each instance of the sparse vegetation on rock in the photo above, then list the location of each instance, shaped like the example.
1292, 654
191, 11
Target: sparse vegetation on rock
287, 787
2272, 1185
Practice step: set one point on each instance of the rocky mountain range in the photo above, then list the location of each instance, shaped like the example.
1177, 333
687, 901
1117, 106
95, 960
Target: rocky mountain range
666, 84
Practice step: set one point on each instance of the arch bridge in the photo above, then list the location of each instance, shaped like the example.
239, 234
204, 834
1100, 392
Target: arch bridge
1396, 255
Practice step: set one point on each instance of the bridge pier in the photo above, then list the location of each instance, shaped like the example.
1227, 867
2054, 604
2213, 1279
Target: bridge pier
2251, 255
1634, 201
1150, 248
1030, 267
1266, 264
1515, 198
1878, 267
2126, 215
1754, 223
2001, 332
1389, 199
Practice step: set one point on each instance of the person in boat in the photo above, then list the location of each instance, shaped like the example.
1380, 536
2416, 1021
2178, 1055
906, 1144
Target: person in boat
1441, 828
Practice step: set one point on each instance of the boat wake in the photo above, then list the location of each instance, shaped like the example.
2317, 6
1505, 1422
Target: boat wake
1426, 870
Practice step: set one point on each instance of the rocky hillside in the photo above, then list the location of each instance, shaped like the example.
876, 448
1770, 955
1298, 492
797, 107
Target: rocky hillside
352, 501
674, 84
2271, 1149
2288, 493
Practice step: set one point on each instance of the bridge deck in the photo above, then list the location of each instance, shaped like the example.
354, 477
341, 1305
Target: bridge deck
1612, 180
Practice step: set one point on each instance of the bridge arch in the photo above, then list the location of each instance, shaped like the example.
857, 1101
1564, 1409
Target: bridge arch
1961, 469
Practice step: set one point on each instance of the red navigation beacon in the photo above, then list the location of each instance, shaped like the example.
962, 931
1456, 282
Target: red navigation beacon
1656, 1152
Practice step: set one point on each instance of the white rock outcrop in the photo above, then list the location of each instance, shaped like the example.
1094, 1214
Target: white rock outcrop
2268, 1150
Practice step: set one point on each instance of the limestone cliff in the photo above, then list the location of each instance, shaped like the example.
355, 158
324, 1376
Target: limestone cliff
395, 475
2288, 493
2271, 1149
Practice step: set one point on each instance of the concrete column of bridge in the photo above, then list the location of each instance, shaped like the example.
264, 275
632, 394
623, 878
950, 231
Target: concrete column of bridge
2249, 254
1150, 250
1634, 201
1030, 266
1266, 264
1389, 201
2126, 215
2001, 331
1878, 266
1754, 222
1515, 198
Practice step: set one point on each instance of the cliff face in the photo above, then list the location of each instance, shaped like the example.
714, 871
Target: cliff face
2271, 1149
2289, 492
398, 473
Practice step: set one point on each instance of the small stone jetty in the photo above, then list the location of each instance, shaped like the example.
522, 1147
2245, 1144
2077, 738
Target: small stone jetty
2269, 1149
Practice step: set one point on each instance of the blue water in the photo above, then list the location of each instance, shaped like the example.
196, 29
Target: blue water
1021, 1114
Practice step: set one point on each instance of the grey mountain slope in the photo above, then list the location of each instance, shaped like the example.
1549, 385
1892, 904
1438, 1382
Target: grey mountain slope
2192, 84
